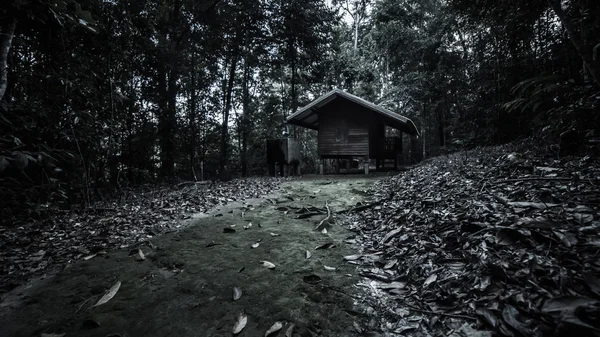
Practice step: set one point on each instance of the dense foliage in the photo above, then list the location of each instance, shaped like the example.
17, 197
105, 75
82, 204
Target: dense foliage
98, 96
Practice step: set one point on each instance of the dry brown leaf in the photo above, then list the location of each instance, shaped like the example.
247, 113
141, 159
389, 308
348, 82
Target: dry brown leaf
275, 234
290, 331
237, 293
240, 324
274, 328
329, 268
307, 254
139, 256
89, 257
432, 278
352, 257
255, 245
109, 294
267, 264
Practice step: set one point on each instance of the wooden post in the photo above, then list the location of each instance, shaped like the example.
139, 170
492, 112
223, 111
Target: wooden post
322, 167
396, 162
348, 161
338, 166
367, 165
202, 170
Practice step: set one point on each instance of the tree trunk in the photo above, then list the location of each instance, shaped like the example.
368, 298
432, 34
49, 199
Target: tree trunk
225, 125
166, 125
356, 22
293, 95
245, 117
7, 32
569, 27
130, 162
192, 116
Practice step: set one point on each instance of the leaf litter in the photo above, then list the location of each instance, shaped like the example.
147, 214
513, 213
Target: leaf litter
482, 242
137, 215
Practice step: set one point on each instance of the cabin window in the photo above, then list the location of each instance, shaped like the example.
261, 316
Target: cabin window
341, 135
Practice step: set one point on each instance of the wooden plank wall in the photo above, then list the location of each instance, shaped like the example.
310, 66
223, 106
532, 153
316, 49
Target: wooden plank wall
343, 131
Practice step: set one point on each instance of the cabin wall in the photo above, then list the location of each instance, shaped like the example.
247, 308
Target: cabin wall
343, 131
377, 138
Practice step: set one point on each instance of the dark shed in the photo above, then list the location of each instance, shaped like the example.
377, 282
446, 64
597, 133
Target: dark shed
351, 127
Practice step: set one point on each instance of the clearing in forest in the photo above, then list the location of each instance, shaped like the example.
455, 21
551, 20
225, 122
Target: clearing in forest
211, 276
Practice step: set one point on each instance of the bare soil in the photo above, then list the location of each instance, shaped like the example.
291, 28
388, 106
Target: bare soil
184, 286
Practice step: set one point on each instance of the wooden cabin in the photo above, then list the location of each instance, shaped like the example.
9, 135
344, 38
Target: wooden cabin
350, 127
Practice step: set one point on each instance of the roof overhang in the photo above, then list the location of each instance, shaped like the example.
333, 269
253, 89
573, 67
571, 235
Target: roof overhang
307, 116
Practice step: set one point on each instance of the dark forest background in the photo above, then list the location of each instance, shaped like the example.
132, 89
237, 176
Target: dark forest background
101, 96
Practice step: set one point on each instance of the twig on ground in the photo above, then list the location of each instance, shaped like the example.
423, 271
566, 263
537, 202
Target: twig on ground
326, 219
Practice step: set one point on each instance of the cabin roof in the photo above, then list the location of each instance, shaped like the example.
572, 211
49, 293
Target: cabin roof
307, 116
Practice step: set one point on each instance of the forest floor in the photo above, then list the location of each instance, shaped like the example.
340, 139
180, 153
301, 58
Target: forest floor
493, 241
182, 283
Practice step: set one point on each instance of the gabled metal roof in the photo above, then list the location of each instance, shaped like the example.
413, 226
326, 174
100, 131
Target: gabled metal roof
307, 116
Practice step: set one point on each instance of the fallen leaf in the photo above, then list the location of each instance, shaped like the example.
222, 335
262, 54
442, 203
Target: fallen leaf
329, 268
510, 314
393, 285
255, 245
566, 303
390, 264
240, 324
212, 243
352, 257
390, 235
267, 264
357, 327
89, 257
140, 256
274, 328
487, 316
237, 293
325, 246
290, 330
432, 278
274, 234
324, 231
307, 254
526, 204
109, 294
248, 226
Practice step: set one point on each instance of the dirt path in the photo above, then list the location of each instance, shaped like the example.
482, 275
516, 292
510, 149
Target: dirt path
184, 286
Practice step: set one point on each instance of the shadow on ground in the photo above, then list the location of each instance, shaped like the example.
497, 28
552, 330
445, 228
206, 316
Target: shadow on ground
184, 285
